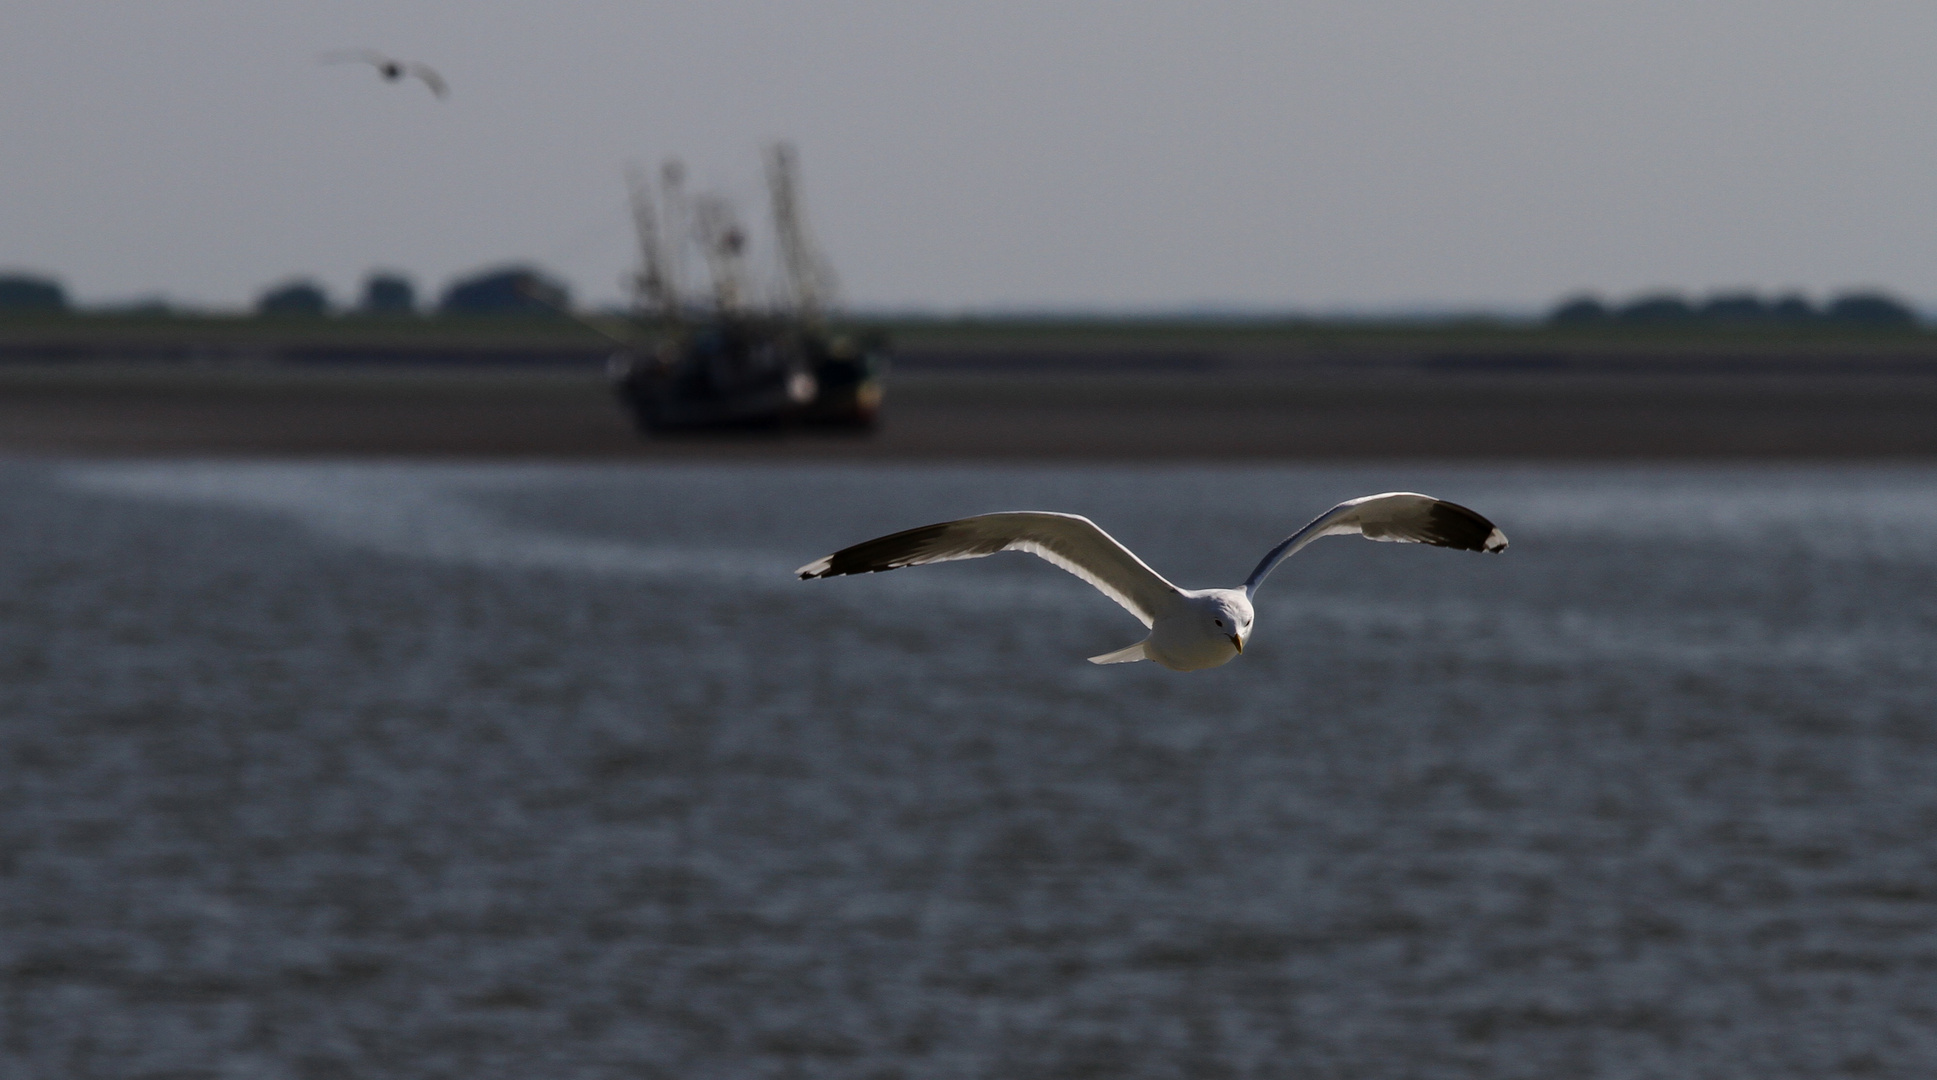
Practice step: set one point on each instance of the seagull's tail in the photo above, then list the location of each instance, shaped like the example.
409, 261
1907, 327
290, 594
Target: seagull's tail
1124, 656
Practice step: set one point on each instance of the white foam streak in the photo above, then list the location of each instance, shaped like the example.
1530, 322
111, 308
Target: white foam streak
1869, 520
419, 512
432, 512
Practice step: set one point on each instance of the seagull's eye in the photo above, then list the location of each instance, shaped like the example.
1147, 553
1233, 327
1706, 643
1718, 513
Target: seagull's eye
1219, 622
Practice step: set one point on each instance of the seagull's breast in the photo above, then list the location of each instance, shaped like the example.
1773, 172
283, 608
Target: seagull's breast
1189, 651
1185, 639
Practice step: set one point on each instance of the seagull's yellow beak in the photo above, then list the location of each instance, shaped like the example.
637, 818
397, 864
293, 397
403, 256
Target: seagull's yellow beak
1239, 643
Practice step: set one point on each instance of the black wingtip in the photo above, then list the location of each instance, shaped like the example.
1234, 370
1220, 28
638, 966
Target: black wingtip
1454, 526
874, 556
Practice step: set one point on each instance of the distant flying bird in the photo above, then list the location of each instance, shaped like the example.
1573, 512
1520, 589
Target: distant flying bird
393, 70
1190, 629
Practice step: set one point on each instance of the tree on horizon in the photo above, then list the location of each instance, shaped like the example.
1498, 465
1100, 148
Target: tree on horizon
31, 292
297, 297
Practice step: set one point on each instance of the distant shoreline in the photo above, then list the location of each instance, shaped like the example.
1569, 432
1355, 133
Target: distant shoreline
1314, 413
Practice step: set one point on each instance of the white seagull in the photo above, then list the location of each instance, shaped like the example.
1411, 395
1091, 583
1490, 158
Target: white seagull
1190, 629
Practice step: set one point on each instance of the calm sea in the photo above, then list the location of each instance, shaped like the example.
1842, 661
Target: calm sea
475, 772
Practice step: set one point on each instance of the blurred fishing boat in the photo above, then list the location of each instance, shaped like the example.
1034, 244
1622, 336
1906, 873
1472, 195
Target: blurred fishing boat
730, 361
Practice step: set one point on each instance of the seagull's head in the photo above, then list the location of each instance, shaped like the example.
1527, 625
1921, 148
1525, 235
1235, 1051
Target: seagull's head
1229, 613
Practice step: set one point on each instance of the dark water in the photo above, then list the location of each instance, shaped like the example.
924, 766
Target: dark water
423, 771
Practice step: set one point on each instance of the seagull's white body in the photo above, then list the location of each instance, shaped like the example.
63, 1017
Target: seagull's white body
1190, 629
1201, 628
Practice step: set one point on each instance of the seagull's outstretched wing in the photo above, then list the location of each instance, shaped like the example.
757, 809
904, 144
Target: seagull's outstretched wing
1402, 517
1071, 542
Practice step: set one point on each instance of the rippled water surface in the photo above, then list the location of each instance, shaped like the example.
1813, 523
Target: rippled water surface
316, 771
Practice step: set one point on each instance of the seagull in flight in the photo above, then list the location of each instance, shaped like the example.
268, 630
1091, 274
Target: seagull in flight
392, 69
1190, 629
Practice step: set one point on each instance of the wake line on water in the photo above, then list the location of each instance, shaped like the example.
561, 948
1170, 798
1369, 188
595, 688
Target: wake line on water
430, 513
422, 512
1866, 521
409, 512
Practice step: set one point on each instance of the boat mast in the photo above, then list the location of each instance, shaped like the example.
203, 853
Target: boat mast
655, 291
809, 280
724, 243
676, 219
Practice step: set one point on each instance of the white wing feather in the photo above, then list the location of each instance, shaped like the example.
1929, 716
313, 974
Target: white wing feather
1403, 517
1069, 541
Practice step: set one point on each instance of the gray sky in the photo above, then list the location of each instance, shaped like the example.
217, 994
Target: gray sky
970, 155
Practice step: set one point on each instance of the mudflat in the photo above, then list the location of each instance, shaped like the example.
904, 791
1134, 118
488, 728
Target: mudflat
1296, 414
